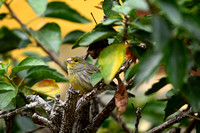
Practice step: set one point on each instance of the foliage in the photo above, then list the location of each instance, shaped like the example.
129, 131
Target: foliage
166, 35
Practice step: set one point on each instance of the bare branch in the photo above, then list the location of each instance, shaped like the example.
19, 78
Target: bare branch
17, 111
68, 113
41, 102
45, 122
175, 119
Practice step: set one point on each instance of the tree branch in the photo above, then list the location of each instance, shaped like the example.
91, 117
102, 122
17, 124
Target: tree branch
175, 119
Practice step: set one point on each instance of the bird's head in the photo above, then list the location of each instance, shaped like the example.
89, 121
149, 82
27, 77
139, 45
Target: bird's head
75, 63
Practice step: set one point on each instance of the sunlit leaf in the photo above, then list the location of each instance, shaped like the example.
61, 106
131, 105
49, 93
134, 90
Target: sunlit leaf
1, 2
46, 87
110, 60
95, 78
39, 6
62, 11
191, 92
49, 36
27, 63
137, 4
4, 67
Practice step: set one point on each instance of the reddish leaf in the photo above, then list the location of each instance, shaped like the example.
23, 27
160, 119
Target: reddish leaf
121, 98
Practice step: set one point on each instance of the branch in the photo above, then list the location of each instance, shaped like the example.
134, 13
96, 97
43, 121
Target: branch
68, 113
45, 122
41, 102
175, 119
18, 111
98, 120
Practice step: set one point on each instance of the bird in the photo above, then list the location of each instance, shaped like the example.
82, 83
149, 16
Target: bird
79, 73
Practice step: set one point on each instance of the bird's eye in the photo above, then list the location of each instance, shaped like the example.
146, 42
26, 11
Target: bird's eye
75, 60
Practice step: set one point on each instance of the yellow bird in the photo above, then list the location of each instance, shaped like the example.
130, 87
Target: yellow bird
79, 73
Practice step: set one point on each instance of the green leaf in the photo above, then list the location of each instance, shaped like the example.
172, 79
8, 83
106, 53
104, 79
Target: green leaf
2, 16
27, 63
10, 39
7, 93
107, 8
174, 104
176, 62
110, 60
113, 20
44, 72
62, 11
192, 24
148, 66
4, 86
161, 32
191, 91
121, 9
73, 36
1, 2
137, 4
197, 59
157, 86
4, 67
100, 32
49, 36
171, 10
95, 78
130, 72
39, 6
143, 23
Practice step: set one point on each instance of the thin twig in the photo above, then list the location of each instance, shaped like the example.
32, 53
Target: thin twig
93, 18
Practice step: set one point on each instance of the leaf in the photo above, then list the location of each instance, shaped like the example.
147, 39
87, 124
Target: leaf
143, 23
176, 62
110, 60
39, 6
73, 36
62, 11
157, 86
173, 105
130, 72
100, 32
1, 2
197, 59
4, 86
192, 24
113, 20
49, 36
161, 38
27, 63
148, 66
121, 99
4, 67
44, 72
191, 92
107, 8
10, 39
2, 15
95, 78
7, 93
46, 87
171, 10
137, 4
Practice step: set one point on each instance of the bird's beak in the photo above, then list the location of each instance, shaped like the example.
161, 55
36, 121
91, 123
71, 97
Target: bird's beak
69, 60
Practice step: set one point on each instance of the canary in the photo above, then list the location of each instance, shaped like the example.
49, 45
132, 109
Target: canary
79, 73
